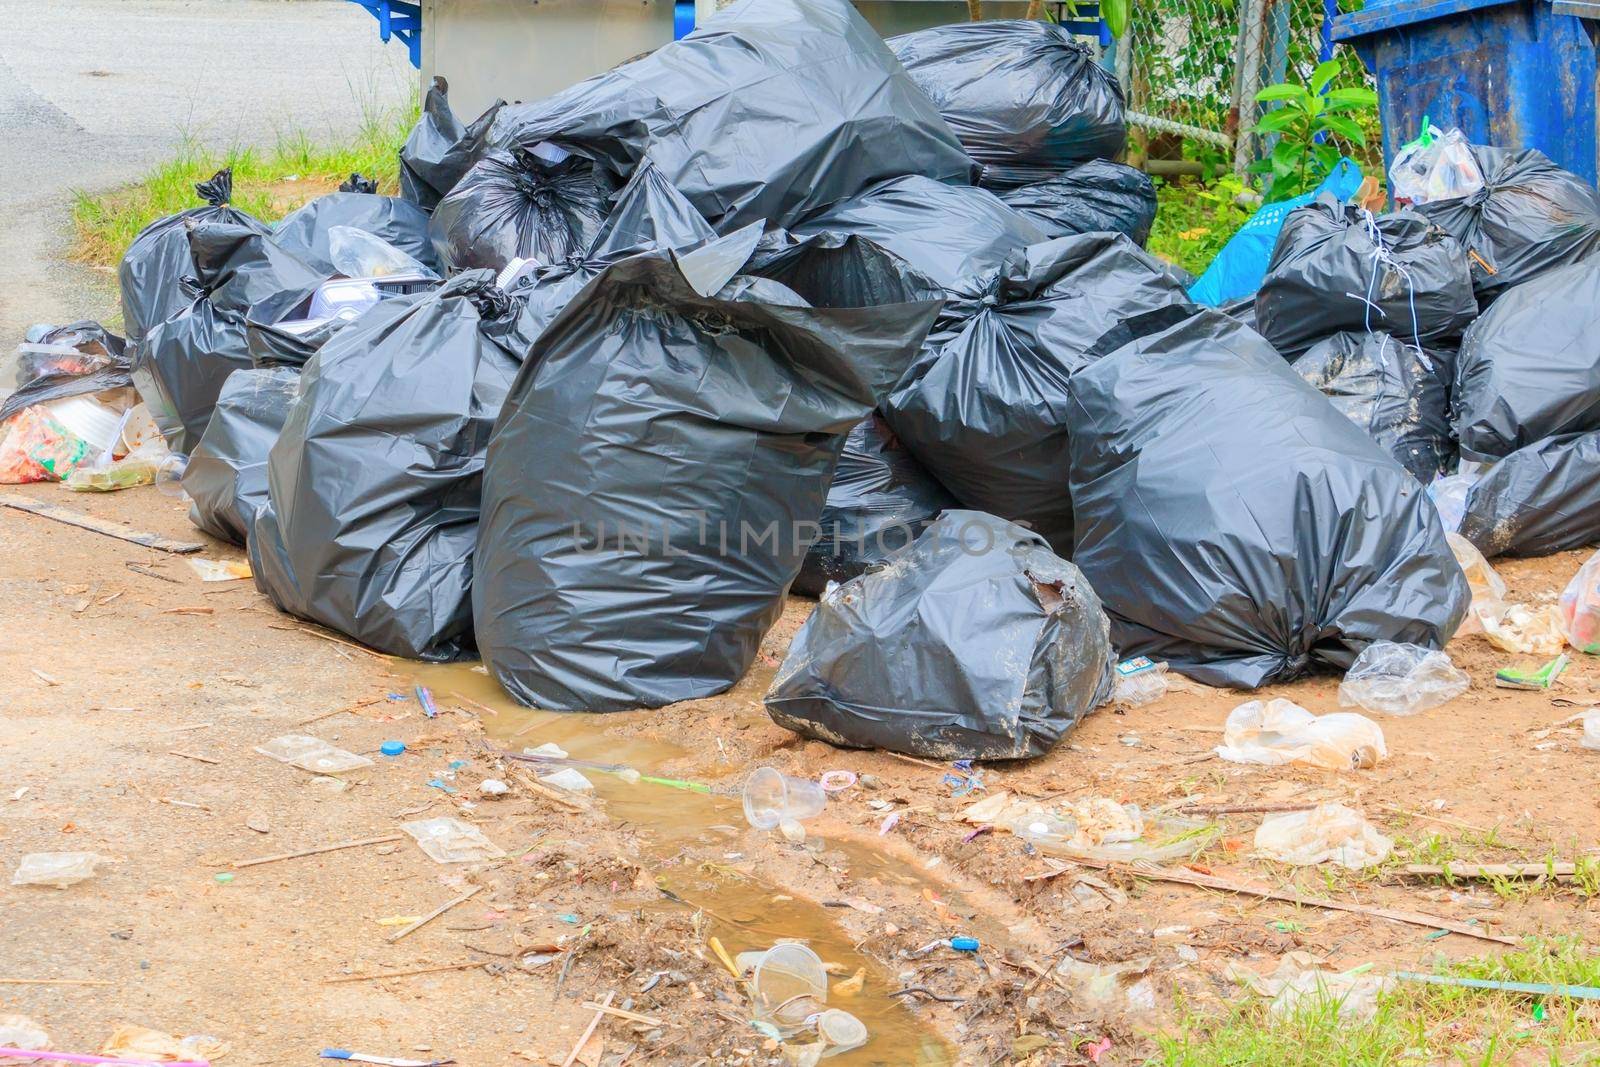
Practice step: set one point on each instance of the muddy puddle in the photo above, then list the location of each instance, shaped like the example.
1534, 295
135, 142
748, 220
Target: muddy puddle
742, 911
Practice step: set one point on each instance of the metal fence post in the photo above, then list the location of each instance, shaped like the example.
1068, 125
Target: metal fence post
1247, 81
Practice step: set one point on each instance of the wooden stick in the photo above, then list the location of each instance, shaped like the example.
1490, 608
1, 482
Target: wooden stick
538, 788
1496, 870
95, 524
54, 981
1435, 818
335, 640
631, 1016
1243, 809
148, 573
319, 850
192, 755
403, 974
1207, 881
339, 711
434, 914
477, 704
190, 726
919, 762
583, 1039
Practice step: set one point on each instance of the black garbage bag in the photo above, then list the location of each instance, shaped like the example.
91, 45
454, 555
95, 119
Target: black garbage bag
770, 111
1529, 368
515, 205
1339, 267
307, 231
1540, 499
947, 232
1390, 389
1236, 525
974, 642
1024, 97
440, 150
1530, 216
1242, 311
180, 368
984, 406
358, 183
226, 479
880, 500
155, 264
78, 359
660, 460
373, 485
1094, 197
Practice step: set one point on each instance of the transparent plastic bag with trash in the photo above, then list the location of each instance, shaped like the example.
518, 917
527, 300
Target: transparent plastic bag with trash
1329, 833
1580, 607
359, 254
1279, 731
1401, 679
1435, 166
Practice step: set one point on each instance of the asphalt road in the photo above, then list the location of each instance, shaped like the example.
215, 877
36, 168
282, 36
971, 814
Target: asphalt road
95, 92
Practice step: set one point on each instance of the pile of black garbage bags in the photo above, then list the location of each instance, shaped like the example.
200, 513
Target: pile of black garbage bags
782, 307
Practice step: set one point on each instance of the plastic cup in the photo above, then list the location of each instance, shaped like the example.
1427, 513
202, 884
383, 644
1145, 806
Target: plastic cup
789, 984
169, 475
841, 1031
771, 798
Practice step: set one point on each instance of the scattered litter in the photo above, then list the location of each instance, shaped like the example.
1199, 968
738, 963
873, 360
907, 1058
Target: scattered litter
1521, 628
788, 985
1301, 980
312, 754
220, 570
1125, 988
1280, 731
1538, 679
1094, 827
58, 869
836, 781
1331, 833
449, 840
1398, 679
493, 788
1139, 681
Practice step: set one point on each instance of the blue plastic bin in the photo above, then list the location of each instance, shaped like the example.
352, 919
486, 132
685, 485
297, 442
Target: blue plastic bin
1512, 73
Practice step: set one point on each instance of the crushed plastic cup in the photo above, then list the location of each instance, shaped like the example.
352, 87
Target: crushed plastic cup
789, 986
1401, 679
840, 1032
1580, 607
58, 869
771, 798
1280, 731
1329, 833
449, 840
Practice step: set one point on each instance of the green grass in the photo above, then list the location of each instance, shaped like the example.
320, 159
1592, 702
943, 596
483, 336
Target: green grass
267, 182
1195, 219
1415, 1024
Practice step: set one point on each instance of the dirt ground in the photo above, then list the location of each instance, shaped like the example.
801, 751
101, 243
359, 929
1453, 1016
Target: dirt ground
134, 695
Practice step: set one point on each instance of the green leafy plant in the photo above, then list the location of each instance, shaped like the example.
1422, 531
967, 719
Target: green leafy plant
1308, 116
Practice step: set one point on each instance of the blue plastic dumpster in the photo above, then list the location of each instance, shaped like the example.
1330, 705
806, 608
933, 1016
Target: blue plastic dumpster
1512, 73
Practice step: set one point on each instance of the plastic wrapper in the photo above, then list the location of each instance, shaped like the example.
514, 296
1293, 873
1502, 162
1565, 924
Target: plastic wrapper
448, 840
128, 471
1388, 388
985, 405
1095, 197
1301, 984
674, 407
309, 231
1529, 368
1139, 681
1487, 587
440, 149
1436, 166
1235, 525
374, 481
974, 642
180, 368
226, 477
1580, 607
312, 754
1540, 499
880, 500
1024, 97
1279, 732
1398, 679
1343, 268
1530, 216
1328, 833
770, 111
56, 869
517, 205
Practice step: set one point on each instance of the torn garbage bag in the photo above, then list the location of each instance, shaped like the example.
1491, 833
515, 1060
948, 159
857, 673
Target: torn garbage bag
1024, 97
1237, 526
984, 407
880, 500
440, 150
287, 328
226, 477
660, 461
78, 359
180, 368
1094, 197
373, 485
158, 259
1339, 267
770, 111
543, 205
974, 642
1540, 499
1529, 368
1530, 216
308, 231
1388, 388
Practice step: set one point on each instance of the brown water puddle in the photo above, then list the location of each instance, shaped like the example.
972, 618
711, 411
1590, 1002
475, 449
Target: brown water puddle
745, 913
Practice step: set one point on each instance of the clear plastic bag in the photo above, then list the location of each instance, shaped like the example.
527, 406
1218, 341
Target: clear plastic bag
359, 254
1435, 166
1401, 679
1580, 607
1329, 833
1488, 588
58, 869
447, 840
312, 754
1280, 731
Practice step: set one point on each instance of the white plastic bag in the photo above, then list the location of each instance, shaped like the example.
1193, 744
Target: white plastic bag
1580, 607
1436, 166
1280, 731
1401, 679
448, 840
58, 869
1329, 833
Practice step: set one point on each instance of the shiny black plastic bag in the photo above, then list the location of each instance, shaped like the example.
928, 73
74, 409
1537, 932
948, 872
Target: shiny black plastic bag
305, 231
1236, 525
77, 359
1390, 389
659, 462
1540, 499
152, 270
1339, 267
374, 483
770, 111
226, 479
974, 642
880, 500
180, 368
984, 407
440, 150
519, 206
1529, 368
1024, 97
1094, 197
1531, 216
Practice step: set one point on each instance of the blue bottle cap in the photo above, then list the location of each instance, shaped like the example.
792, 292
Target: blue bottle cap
964, 944
392, 748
